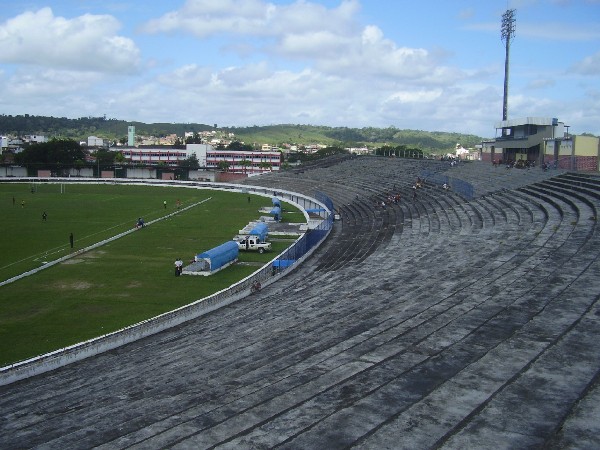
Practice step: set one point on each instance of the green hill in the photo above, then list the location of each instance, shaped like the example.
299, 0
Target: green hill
113, 129
369, 136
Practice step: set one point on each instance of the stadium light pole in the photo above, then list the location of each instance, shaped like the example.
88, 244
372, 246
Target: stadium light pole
507, 34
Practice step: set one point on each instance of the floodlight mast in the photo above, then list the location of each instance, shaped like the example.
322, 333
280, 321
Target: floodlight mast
507, 33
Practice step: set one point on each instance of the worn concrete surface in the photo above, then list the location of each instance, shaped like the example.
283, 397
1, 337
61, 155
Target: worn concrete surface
435, 323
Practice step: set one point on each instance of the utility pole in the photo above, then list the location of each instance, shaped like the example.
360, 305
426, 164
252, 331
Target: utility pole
507, 34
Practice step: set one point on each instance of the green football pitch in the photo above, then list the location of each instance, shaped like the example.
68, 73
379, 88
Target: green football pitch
117, 284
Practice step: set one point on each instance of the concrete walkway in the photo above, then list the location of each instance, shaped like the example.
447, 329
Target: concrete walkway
433, 323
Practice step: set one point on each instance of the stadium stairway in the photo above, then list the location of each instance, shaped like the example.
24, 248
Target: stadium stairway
433, 323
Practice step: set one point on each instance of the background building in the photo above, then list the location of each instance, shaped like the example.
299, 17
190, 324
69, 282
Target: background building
154, 155
207, 156
244, 162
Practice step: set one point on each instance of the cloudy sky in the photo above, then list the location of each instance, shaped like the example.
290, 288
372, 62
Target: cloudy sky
429, 65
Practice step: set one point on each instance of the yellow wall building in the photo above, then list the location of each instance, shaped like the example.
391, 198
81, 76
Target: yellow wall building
573, 153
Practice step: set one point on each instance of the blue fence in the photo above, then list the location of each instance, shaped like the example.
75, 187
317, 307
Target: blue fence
309, 240
325, 200
458, 186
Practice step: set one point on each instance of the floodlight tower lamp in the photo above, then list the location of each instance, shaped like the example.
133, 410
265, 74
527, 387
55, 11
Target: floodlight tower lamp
507, 34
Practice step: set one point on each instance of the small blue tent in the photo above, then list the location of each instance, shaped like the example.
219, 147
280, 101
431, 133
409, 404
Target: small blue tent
276, 212
220, 256
276, 201
261, 230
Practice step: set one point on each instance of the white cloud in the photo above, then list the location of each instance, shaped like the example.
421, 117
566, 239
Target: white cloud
302, 16
266, 96
86, 43
189, 77
466, 13
36, 83
588, 66
327, 39
421, 96
367, 53
44, 91
204, 18
558, 31
541, 83
322, 44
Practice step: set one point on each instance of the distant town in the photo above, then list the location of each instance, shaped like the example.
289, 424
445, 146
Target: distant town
200, 153
219, 154
217, 139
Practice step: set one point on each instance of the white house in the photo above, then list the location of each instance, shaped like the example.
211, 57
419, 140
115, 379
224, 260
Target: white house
38, 139
93, 141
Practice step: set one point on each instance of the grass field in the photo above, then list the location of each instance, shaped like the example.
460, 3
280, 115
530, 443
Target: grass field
117, 284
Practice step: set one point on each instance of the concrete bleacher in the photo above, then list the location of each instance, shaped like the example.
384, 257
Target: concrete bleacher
433, 323
486, 177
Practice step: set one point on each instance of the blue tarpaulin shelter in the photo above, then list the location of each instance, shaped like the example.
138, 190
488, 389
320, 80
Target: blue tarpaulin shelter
261, 230
276, 201
220, 256
276, 212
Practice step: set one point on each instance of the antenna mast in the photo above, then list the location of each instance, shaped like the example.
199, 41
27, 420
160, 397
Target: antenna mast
507, 34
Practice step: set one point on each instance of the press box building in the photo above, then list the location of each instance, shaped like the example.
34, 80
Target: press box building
542, 140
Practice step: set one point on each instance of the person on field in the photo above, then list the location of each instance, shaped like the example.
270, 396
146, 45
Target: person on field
44, 216
178, 267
